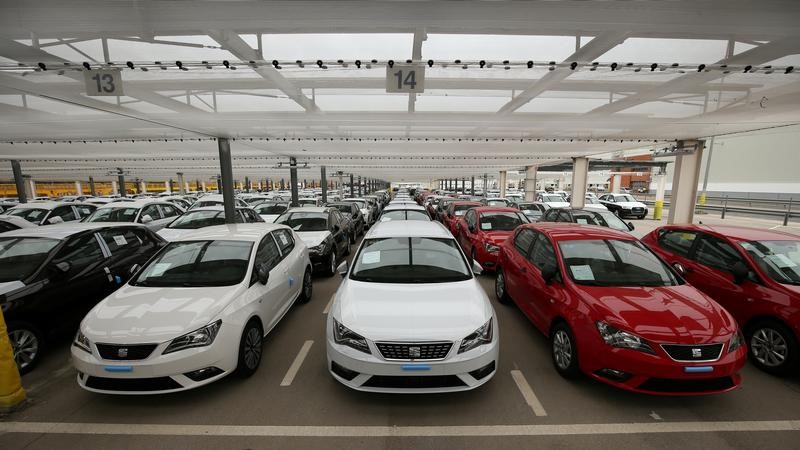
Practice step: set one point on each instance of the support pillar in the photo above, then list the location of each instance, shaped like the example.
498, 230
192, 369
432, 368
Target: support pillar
203, 186
323, 181
472, 186
143, 186
293, 181
115, 187
530, 183
19, 182
359, 186
661, 187
226, 179
684, 182
580, 174
503, 183
78, 188
181, 185
92, 189
30, 187
615, 184
168, 186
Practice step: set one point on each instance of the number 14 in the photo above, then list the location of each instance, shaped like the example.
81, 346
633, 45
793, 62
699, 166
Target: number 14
409, 80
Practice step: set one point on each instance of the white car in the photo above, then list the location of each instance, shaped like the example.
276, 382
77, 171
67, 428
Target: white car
269, 211
552, 200
155, 214
214, 200
8, 223
49, 212
410, 316
624, 205
196, 312
593, 203
204, 217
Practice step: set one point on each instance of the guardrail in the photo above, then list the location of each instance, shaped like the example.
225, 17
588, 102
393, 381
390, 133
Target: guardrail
725, 208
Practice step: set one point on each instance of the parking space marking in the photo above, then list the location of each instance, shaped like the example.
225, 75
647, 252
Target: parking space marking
298, 361
527, 392
328, 306
390, 431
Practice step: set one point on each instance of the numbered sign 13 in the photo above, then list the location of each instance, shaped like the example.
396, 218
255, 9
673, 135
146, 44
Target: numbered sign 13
101, 82
406, 78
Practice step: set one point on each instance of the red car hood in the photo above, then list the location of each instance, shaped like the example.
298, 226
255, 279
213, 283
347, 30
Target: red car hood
496, 237
676, 314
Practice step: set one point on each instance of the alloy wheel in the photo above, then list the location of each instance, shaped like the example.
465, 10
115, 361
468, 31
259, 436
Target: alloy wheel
307, 286
25, 345
252, 348
499, 285
333, 262
769, 347
562, 349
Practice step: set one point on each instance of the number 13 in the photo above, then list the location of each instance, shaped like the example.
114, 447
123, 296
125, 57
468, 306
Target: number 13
105, 83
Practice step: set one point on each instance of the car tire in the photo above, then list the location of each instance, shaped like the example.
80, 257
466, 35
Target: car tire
331, 269
500, 287
564, 351
770, 340
27, 343
347, 247
250, 349
306, 288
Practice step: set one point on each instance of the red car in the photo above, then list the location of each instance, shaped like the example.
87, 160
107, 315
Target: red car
484, 229
754, 274
617, 313
455, 214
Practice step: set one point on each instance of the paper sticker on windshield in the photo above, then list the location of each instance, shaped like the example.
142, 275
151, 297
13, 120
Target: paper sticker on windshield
34, 214
283, 239
486, 225
582, 273
159, 269
781, 260
371, 257
582, 221
120, 240
128, 212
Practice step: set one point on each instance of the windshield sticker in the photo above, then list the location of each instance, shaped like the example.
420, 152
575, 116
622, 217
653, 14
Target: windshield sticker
128, 212
781, 260
486, 225
120, 240
159, 269
284, 240
34, 214
582, 221
582, 273
371, 257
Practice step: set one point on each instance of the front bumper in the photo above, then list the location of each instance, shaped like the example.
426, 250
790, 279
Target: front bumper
319, 261
457, 372
486, 259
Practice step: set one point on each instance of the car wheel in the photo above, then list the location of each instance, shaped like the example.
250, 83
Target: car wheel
26, 343
773, 347
500, 287
564, 351
250, 349
347, 246
307, 289
331, 264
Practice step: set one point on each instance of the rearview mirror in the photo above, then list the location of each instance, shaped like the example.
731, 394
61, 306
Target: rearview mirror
549, 272
134, 268
342, 269
262, 273
740, 272
476, 268
146, 218
630, 226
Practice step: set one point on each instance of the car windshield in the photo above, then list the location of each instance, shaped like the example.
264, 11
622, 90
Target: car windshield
410, 260
271, 209
197, 264
198, 219
496, 203
204, 203
591, 201
305, 221
460, 210
113, 215
602, 219
779, 259
32, 215
502, 221
404, 214
361, 204
552, 198
614, 262
624, 198
253, 200
20, 257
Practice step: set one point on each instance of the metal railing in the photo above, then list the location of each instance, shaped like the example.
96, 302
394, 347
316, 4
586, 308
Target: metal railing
735, 205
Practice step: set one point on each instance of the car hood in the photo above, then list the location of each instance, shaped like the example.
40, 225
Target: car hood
412, 312
557, 204
173, 234
596, 206
631, 204
671, 314
313, 238
269, 218
151, 314
10, 286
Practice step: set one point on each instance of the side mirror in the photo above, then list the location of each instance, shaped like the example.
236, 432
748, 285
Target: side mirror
740, 272
146, 218
630, 226
134, 268
679, 268
62, 268
342, 269
476, 268
549, 272
262, 273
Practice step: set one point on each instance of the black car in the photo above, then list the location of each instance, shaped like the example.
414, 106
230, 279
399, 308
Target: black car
350, 210
586, 217
50, 277
324, 232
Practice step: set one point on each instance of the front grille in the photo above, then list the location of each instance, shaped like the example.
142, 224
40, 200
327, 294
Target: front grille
125, 352
637, 210
415, 351
693, 353
687, 385
132, 384
419, 382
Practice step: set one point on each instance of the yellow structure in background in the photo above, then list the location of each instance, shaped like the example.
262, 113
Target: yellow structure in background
11, 392
702, 200
658, 209
54, 189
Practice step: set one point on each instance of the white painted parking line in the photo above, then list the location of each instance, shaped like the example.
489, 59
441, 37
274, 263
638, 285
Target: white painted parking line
390, 431
298, 361
528, 394
328, 306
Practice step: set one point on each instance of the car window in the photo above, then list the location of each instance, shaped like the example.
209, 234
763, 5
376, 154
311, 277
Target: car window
523, 241
502, 221
169, 211
85, 210
716, 253
198, 219
7, 226
305, 221
267, 253
469, 218
410, 260
271, 209
285, 240
152, 211
197, 264
551, 215
543, 252
779, 259
117, 239
334, 220
79, 252
564, 216
66, 213
678, 241
614, 262
20, 257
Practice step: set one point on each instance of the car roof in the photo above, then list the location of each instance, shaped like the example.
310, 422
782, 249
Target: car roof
408, 228
488, 209
250, 232
140, 203
318, 209
561, 231
404, 207
466, 202
740, 233
41, 205
63, 230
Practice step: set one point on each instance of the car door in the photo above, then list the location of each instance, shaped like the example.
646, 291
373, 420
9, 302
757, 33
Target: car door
338, 232
515, 270
541, 296
674, 246
466, 231
550, 216
290, 262
84, 210
124, 248
65, 213
155, 216
271, 297
168, 213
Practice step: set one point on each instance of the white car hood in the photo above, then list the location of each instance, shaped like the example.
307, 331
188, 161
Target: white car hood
595, 206
10, 286
631, 204
269, 218
137, 314
412, 312
312, 238
173, 234
557, 204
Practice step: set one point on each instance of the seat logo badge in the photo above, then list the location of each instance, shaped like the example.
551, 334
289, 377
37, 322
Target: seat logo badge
122, 352
696, 353
414, 352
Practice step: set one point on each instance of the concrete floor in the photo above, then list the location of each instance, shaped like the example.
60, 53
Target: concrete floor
317, 412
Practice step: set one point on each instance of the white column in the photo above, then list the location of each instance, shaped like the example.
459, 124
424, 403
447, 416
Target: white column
530, 183
114, 187
143, 186
503, 183
615, 188
661, 187
203, 183
580, 173
168, 187
78, 188
185, 187
684, 182
30, 187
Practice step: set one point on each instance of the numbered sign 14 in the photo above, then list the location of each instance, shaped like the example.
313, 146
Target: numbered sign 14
405, 78
102, 82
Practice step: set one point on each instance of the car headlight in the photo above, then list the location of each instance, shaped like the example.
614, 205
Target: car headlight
321, 248
82, 342
736, 341
482, 335
622, 339
491, 248
345, 336
197, 338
